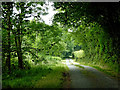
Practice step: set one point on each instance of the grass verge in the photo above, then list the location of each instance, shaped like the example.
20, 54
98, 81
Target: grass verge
79, 66
66, 76
103, 68
48, 75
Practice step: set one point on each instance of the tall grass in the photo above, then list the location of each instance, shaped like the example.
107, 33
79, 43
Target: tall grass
42, 75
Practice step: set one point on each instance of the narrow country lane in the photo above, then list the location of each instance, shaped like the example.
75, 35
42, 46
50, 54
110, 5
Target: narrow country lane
88, 77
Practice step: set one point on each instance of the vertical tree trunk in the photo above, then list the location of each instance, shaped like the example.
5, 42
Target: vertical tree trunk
19, 36
18, 49
8, 32
20, 60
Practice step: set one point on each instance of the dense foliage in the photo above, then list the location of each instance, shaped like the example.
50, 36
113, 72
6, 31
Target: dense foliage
88, 32
27, 41
30, 48
95, 26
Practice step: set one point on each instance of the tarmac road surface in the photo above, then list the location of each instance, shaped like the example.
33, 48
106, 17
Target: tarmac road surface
89, 77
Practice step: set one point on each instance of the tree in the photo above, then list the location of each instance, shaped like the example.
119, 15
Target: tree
8, 8
95, 27
14, 23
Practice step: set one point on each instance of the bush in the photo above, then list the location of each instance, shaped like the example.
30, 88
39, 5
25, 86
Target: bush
78, 54
26, 65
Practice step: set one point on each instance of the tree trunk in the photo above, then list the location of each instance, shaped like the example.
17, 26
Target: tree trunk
18, 36
8, 32
19, 30
18, 47
20, 60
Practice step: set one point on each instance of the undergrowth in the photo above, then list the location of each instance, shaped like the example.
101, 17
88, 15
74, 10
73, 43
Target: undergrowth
42, 75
